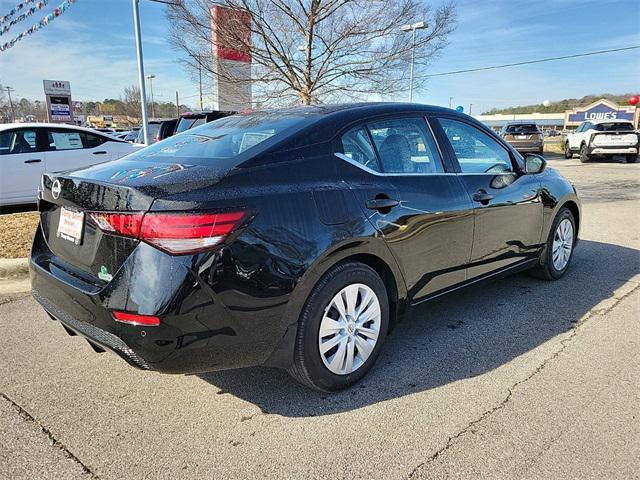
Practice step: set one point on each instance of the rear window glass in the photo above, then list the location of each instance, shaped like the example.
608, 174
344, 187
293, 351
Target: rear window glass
224, 138
614, 127
186, 123
523, 128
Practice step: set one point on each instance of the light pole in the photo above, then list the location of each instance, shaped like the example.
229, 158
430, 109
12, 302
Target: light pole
150, 77
450, 102
412, 28
143, 93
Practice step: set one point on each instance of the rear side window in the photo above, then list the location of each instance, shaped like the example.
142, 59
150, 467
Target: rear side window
18, 141
476, 151
357, 146
405, 146
64, 140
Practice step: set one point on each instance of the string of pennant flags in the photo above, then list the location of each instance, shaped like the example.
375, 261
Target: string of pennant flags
38, 6
15, 10
59, 10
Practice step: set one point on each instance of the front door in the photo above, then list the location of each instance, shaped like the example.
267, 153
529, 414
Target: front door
507, 206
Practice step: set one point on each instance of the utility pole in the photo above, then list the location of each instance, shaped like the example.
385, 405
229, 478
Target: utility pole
200, 74
13, 113
412, 28
143, 93
150, 77
177, 106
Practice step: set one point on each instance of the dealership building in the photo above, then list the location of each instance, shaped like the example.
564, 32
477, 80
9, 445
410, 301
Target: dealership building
601, 110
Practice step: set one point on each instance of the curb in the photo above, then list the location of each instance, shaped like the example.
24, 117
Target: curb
14, 268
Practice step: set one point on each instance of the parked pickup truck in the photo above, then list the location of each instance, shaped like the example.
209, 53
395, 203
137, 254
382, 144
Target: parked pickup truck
603, 138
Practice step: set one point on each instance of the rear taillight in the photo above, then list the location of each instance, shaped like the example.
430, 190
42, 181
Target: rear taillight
174, 233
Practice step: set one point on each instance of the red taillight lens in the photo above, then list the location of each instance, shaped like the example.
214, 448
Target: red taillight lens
135, 319
188, 233
127, 224
175, 233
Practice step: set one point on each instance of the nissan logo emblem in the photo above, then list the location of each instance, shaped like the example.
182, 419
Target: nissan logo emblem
56, 189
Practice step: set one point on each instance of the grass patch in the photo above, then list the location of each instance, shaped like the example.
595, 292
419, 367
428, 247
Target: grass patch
16, 234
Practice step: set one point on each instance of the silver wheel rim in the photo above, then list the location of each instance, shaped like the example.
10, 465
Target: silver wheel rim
562, 244
349, 329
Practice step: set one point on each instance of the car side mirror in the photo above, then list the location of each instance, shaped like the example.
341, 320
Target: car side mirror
534, 163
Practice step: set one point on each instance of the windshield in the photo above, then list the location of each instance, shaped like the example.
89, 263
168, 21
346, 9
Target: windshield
224, 138
614, 127
523, 128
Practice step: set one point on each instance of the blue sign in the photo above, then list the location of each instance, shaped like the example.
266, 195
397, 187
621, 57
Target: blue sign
601, 111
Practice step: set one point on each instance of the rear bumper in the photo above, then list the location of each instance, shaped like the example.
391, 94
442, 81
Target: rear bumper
598, 150
198, 331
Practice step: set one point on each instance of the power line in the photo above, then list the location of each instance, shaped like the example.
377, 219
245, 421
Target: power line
529, 62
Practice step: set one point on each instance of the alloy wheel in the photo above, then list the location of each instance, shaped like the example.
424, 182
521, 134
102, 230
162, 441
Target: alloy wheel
349, 329
562, 244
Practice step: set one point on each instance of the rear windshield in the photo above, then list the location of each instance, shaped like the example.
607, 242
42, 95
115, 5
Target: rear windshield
225, 138
614, 127
523, 128
189, 122
152, 128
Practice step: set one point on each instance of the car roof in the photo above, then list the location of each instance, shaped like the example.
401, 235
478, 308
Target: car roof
8, 126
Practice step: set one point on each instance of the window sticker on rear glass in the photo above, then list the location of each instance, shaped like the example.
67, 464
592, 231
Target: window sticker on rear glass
251, 139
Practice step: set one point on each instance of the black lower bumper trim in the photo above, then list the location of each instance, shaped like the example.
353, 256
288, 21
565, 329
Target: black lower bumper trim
92, 333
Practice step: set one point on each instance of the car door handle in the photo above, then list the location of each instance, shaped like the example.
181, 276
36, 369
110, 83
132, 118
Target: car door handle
33, 160
482, 197
382, 203
101, 152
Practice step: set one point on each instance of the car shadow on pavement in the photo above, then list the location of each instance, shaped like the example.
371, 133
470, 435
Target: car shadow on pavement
461, 336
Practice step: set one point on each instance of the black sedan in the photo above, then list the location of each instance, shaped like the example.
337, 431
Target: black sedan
295, 238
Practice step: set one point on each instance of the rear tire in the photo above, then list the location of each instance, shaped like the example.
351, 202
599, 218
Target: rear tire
632, 158
584, 153
335, 349
558, 251
567, 151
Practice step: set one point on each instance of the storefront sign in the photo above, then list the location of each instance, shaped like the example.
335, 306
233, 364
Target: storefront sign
600, 110
59, 105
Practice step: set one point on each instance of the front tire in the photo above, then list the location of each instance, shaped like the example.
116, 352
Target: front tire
584, 153
558, 250
341, 328
632, 158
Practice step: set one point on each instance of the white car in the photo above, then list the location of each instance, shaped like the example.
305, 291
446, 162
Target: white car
603, 138
27, 150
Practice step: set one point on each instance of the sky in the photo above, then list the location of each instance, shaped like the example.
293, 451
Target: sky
92, 46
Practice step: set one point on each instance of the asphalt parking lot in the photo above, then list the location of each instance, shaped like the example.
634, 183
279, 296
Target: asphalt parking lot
517, 379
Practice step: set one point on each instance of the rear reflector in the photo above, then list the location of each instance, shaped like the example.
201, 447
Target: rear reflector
174, 233
135, 319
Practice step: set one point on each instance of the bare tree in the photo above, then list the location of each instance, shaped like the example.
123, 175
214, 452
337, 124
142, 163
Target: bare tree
314, 51
130, 104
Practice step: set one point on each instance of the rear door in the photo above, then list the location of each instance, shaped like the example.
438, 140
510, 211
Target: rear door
428, 225
507, 205
72, 149
21, 165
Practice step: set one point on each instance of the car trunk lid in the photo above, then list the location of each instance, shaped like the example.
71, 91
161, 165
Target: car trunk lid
73, 235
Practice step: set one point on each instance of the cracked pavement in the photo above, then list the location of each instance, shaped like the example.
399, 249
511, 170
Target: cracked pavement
516, 379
